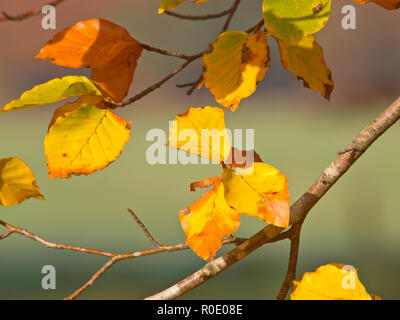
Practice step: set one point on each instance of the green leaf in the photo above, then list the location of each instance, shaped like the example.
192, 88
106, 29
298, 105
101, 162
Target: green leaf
293, 20
53, 91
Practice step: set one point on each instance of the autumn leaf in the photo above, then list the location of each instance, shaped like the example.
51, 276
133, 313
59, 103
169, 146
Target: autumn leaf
208, 220
101, 45
17, 182
293, 20
260, 191
53, 91
83, 139
172, 4
306, 61
387, 4
201, 131
330, 282
235, 65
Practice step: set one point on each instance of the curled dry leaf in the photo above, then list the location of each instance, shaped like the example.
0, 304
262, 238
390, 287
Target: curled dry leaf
306, 61
333, 281
17, 182
235, 65
101, 45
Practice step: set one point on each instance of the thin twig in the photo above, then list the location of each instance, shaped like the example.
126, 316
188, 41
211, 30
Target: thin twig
119, 257
154, 86
292, 265
30, 13
144, 229
256, 27
231, 14
166, 52
298, 210
114, 257
199, 17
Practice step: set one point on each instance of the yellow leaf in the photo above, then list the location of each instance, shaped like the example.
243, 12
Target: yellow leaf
101, 45
387, 4
260, 191
169, 4
330, 282
306, 61
201, 131
172, 4
207, 220
84, 140
53, 91
237, 62
17, 182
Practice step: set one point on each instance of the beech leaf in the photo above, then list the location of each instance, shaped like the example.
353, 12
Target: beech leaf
17, 182
293, 20
208, 220
330, 282
201, 131
83, 139
53, 91
387, 4
101, 45
261, 191
306, 61
236, 64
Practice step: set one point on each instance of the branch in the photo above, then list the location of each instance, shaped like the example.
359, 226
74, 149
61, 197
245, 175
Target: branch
31, 13
200, 17
293, 257
165, 52
298, 210
114, 257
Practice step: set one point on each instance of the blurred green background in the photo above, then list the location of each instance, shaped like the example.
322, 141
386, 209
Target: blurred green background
295, 130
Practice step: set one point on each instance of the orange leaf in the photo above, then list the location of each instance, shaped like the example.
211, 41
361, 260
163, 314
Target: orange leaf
207, 220
101, 45
387, 4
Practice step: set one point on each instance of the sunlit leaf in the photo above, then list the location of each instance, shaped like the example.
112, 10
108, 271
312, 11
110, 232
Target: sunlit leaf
293, 20
172, 4
201, 131
53, 91
84, 140
260, 191
387, 4
306, 61
101, 45
207, 220
17, 182
235, 65
330, 282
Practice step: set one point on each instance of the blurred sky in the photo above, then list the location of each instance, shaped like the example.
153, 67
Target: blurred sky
296, 130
